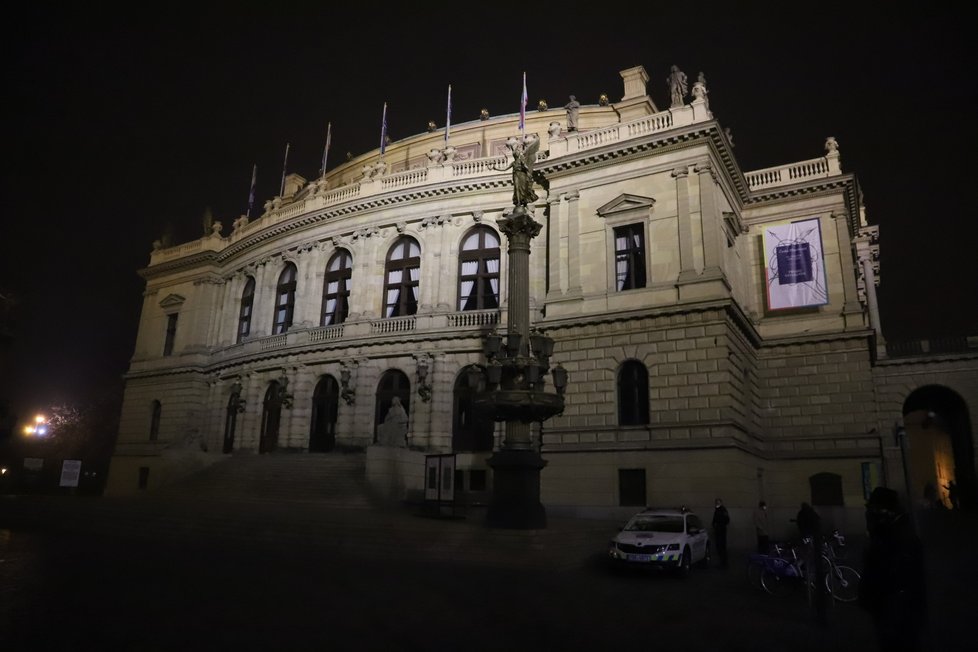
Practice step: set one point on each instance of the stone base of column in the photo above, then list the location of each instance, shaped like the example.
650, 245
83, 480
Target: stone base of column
515, 500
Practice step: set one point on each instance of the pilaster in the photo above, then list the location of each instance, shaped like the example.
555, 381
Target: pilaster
687, 270
573, 244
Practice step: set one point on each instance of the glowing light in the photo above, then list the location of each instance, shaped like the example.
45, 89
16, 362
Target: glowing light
28, 430
39, 419
3, 470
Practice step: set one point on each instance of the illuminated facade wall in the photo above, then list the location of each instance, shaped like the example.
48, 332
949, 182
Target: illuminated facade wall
650, 274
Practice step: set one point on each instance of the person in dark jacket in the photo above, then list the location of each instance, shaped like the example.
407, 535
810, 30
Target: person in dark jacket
721, 519
892, 585
809, 522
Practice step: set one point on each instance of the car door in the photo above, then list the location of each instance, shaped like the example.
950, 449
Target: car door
698, 537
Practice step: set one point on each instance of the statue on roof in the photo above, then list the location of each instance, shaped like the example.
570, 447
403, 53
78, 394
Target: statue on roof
677, 86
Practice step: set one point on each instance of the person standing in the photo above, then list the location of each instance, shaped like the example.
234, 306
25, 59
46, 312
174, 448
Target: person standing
892, 588
721, 519
761, 527
809, 523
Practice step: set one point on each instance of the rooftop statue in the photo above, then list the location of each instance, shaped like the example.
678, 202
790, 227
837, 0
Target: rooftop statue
677, 86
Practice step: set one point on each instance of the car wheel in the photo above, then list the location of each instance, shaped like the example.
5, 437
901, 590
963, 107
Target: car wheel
686, 565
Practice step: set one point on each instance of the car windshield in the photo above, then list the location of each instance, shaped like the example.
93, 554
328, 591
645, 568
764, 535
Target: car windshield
653, 523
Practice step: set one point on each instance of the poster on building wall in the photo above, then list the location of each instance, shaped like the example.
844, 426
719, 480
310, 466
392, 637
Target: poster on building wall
795, 267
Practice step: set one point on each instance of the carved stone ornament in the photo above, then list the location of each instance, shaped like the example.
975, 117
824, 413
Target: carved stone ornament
554, 130
831, 145
519, 223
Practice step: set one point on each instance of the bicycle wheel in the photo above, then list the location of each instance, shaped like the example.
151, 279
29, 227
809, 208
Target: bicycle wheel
754, 570
843, 583
775, 584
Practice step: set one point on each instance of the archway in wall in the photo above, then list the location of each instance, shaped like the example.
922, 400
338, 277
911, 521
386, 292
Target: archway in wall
230, 423
271, 416
941, 445
470, 433
392, 383
325, 405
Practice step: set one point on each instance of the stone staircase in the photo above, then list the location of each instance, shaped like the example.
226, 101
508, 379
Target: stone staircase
303, 504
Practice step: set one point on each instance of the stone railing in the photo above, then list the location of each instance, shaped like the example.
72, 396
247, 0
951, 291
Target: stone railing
816, 168
406, 179
393, 325
273, 342
473, 318
326, 333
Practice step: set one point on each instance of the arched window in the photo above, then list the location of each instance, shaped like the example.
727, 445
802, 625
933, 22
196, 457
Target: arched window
336, 288
392, 383
284, 300
470, 432
154, 421
633, 394
325, 404
478, 275
401, 273
231, 418
244, 316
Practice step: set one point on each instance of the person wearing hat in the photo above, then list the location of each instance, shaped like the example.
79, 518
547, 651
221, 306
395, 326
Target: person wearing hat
892, 585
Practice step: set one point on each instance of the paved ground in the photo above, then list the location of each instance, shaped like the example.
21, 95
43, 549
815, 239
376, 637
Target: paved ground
97, 575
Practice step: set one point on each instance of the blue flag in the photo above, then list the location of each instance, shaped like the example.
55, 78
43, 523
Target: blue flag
329, 133
285, 165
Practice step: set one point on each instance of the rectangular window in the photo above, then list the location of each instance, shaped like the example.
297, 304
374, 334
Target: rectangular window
629, 257
171, 334
631, 487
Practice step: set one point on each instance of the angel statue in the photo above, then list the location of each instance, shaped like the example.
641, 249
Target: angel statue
524, 158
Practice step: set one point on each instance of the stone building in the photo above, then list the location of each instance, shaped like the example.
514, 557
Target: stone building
719, 326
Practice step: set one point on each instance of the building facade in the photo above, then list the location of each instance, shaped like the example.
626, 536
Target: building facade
719, 327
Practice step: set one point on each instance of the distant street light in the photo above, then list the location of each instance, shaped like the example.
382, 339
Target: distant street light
39, 428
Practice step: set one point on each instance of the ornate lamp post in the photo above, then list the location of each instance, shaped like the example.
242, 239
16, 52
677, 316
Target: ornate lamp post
512, 385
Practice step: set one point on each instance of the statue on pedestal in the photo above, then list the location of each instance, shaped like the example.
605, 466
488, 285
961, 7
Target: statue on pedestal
524, 159
677, 86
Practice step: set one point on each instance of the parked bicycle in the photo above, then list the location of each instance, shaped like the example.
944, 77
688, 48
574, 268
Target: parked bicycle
777, 573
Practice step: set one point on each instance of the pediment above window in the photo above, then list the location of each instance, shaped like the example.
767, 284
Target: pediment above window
172, 302
626, 203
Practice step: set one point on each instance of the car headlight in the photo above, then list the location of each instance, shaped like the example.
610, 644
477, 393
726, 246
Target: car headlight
673, 546
613, 549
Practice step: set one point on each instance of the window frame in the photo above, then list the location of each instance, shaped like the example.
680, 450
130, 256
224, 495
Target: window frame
246, 310
482, 255
343, 277
629, 230
404, 306
284, 300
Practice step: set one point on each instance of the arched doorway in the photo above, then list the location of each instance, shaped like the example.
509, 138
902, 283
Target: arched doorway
271, 416
392, 383
231, 421
941, 447
325, 405
469, 432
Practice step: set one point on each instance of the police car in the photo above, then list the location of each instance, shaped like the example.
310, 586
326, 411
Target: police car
663, 539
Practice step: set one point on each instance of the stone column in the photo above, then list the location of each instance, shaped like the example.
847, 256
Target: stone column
852, 310
308, 293
710, 218
573, 244
446, 292
554, 285
263, 307
687, 270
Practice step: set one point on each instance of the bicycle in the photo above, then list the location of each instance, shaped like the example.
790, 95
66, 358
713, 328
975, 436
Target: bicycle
777, 573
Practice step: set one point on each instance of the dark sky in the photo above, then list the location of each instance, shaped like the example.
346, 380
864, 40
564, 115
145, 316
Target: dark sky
116, 129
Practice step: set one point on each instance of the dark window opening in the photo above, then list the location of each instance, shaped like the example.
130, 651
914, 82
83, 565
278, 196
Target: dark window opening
244, 316
477, 480
633, 394
171, 334
629, 257
631, 487
143, 477
154, 421
336, 288
402, 273
826, 489
284, 300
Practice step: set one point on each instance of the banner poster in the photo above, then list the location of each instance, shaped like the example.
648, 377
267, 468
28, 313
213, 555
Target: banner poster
795, 267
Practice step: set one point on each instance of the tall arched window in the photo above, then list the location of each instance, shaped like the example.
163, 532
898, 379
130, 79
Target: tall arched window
284, 300
633, 394
271, 417
336, 288
244, 316
401, 273
478, 275
154, 421
392, 383
470, 431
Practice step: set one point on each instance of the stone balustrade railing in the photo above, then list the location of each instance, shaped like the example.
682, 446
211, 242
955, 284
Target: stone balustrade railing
783, 175
327, 333
572, 143
473, 318
392, 325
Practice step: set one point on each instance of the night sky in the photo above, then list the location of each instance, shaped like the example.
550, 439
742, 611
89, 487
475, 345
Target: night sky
118, 129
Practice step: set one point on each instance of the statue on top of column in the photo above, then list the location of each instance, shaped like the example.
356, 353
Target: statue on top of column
524, 159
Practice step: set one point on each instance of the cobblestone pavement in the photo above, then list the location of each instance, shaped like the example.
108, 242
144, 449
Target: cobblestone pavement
106, 586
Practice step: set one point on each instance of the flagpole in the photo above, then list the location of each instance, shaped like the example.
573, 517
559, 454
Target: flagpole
448, 116
329, 133
285, 164
251, 194
523, 108
383, 132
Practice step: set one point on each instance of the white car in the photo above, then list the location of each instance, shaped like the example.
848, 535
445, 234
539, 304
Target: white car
662, 538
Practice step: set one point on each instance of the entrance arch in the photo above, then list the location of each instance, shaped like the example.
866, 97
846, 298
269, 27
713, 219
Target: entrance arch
325, 405
271, 417
941, 444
